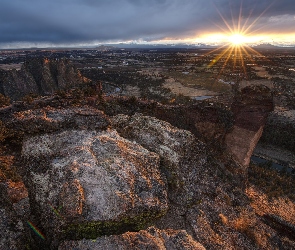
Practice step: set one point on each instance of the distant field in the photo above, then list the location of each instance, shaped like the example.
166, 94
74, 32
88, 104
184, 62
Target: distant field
204, 80
178, 88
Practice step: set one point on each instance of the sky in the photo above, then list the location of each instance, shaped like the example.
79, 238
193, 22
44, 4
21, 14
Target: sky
47, 23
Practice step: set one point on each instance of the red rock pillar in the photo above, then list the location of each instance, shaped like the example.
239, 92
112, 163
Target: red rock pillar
250, 108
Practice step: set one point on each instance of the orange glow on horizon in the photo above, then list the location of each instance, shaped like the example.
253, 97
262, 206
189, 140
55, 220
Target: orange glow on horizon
246, 39
236, 38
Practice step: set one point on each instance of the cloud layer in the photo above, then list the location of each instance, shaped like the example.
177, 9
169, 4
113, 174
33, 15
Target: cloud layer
85, 21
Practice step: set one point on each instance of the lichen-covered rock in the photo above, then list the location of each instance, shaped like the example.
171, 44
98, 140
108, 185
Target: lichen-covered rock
51, 119
152, 238
92, 183
180, 152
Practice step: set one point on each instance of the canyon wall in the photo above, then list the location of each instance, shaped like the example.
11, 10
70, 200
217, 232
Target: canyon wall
40, 77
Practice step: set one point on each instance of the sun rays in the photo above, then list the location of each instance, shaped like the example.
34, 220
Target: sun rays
237, 35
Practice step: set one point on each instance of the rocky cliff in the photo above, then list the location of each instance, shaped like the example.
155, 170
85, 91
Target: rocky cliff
39, 76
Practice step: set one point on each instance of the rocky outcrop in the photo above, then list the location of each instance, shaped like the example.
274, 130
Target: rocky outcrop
251, 108
197, 199
152, 238
39, 76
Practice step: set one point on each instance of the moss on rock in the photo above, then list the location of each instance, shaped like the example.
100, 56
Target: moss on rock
94, 229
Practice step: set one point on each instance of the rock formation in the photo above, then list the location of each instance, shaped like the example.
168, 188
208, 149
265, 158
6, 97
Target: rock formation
39, 76
251, 108
90, 180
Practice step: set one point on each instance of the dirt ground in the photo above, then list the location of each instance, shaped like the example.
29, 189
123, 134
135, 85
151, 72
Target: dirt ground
178, 88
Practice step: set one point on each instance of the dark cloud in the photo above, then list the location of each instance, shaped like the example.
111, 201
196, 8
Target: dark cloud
77, 21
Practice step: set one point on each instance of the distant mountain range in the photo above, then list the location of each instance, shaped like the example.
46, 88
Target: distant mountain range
270, 46
112, 46
181, 46
158, 46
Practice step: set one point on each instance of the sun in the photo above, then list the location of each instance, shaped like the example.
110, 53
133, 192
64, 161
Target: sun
237, 39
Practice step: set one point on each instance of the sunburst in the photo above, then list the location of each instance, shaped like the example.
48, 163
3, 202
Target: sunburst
238, 35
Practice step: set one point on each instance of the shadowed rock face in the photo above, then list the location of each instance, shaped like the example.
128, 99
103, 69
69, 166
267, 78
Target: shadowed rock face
250, 108
39, 76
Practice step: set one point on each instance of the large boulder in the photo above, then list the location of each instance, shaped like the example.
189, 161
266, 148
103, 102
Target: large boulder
85, 183
152, 238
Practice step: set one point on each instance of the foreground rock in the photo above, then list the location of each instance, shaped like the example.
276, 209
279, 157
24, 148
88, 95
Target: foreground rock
12, 236
90, 183
14, 212
14, 203
152, 238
